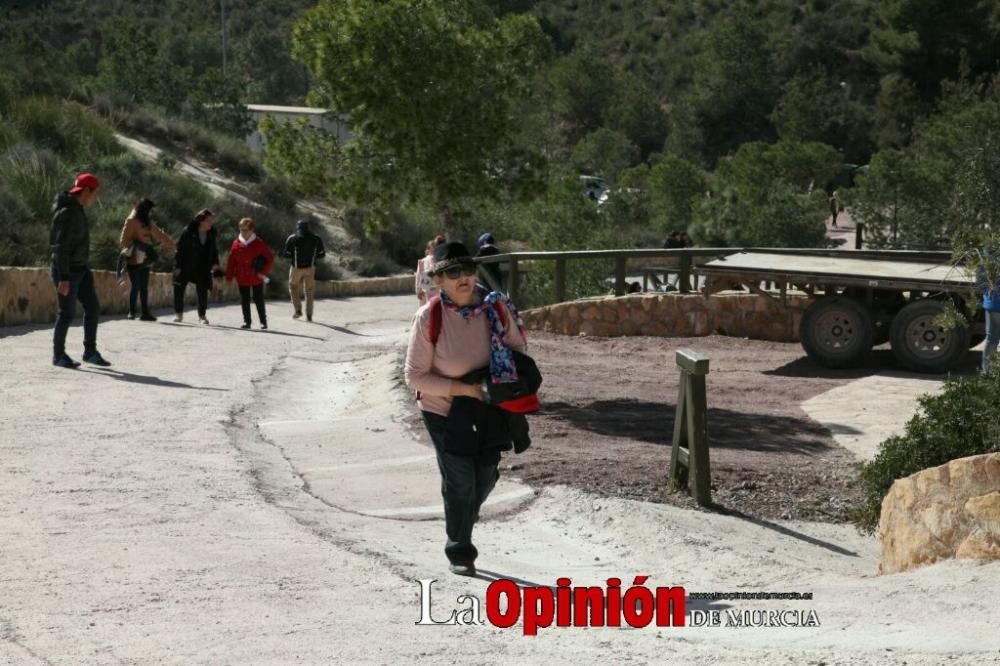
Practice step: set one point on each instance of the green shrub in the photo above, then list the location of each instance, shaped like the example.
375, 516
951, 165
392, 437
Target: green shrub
236, 157
963, 420
326, 270
275, 193
33, 176
65, 128
25, 237
373, 264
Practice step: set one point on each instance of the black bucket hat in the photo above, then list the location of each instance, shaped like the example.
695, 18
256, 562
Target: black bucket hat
451, 254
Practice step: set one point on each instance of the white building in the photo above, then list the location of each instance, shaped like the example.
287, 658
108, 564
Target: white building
320, 118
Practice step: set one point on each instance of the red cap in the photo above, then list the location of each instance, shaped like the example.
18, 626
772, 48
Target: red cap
85, 181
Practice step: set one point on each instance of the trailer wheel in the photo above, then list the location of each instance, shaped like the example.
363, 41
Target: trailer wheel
920, 344
837, 331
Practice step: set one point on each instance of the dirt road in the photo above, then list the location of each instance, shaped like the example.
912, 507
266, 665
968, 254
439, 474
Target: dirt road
221, 496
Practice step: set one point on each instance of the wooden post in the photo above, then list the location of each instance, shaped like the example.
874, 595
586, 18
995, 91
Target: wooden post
859, 233
689, 465
619, 276
515, 279
560, 280
684, 275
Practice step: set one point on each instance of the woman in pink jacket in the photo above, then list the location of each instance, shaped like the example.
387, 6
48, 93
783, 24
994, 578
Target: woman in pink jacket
250, 262
467, 328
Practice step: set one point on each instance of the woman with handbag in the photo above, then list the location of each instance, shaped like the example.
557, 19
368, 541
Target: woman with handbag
136, 241
250, 262
465, 329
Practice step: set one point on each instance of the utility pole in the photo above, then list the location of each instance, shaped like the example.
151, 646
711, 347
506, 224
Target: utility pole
222, 8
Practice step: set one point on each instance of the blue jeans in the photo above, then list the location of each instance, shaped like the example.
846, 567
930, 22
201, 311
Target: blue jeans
466, 482
992, 337
81, 287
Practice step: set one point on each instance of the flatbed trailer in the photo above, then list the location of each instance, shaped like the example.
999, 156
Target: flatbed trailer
858, 299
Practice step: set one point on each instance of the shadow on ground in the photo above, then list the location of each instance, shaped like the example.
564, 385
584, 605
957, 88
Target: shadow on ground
879, 361
653, 422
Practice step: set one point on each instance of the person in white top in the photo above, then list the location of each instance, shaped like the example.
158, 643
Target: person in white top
424, 283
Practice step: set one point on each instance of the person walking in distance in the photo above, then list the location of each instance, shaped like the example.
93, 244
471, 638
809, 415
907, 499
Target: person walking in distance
423, 282
303, 248
136, 241
488, 248
250, 262
197, 261
988, 285
834, 208
69, 239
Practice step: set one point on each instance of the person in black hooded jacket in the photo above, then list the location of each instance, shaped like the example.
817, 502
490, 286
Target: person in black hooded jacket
197, 261
69, 239
304, 248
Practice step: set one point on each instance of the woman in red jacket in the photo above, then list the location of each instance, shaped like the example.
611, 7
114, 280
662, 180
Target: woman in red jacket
250, 262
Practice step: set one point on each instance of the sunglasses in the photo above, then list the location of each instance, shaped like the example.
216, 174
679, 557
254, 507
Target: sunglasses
455, 271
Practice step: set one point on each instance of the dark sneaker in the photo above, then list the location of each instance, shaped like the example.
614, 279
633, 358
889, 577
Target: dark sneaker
297, 315
246, 325
147, 317
65, 361
466, 568
95, 358
263, 327
131, 315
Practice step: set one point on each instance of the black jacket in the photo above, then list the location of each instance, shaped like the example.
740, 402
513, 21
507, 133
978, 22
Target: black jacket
492, 269
69, 237
194, 258
475, 427
304, 248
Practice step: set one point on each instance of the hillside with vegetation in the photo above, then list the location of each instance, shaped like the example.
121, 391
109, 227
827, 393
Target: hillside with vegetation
732, 120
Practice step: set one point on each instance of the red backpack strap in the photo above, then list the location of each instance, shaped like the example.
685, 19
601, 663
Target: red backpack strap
434, 325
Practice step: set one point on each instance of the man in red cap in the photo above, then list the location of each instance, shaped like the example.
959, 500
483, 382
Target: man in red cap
70, 241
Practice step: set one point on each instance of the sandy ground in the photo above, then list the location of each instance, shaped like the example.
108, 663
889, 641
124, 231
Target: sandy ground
221, 496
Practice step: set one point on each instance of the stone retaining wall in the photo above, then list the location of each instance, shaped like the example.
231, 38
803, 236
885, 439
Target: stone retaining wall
673, 315
27, 295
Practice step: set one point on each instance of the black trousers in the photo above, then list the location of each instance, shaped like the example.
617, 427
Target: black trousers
81, 287
138, 277
258, 300
466, 482
200, 287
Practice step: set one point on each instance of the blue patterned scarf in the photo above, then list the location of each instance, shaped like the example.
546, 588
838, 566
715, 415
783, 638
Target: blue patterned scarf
502, 368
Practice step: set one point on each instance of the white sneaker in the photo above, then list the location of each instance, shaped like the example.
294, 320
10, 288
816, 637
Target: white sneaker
179, 317
203, 320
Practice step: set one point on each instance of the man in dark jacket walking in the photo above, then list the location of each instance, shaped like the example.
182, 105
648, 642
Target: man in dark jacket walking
303, 248
196, 260
69, 239
488, 248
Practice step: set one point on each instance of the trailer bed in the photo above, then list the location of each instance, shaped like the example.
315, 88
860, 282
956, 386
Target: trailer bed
845, 271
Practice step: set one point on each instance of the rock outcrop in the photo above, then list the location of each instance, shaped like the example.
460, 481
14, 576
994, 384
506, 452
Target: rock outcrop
950, 511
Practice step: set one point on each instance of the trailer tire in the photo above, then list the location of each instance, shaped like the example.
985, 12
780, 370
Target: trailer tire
921, 345
837, 332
